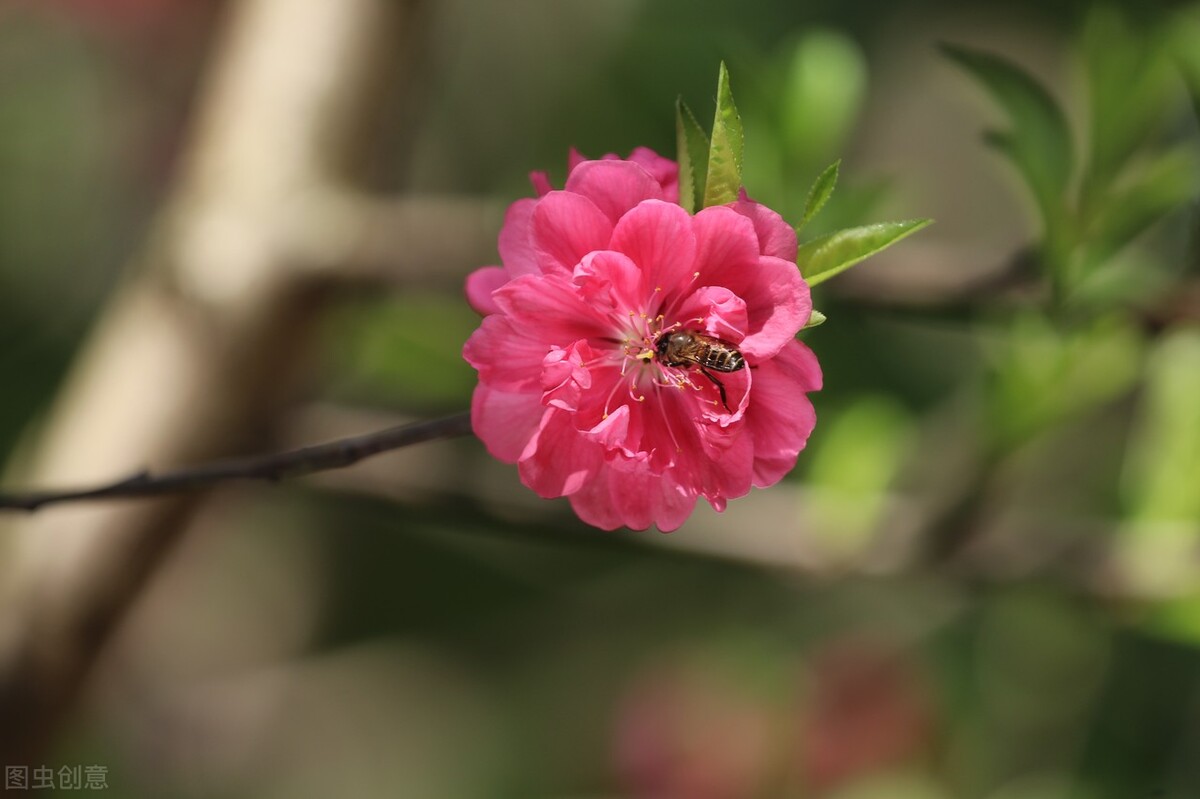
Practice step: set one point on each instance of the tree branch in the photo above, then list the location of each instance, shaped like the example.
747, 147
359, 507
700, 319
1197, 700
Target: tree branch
294, 463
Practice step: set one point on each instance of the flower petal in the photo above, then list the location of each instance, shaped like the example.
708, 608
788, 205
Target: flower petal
642, 499
726, 247
558, 459
593, 504
777, 298
610, 280
612, 429
658, 237
778, 304
516, 240
614, 186
775, 236
733, 475
698, 464
551, 306
566, 227
480, 285
506, 356
781, 418
664, 170
505, 421
565, 375
540, 181
715, 311
633, 498
574, 159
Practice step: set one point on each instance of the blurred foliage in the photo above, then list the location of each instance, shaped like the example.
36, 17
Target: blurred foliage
380, 351
460, 648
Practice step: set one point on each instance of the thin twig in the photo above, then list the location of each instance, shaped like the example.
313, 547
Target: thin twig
295, 463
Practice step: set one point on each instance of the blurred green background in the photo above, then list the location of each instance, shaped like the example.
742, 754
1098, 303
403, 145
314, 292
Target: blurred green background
983, 578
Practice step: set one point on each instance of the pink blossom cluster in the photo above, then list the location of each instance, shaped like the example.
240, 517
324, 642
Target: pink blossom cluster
573, 384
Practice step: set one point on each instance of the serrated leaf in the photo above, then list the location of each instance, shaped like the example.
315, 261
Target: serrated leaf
816, 319
1039, 142
725, 151
826, 256
692, 146
819, 194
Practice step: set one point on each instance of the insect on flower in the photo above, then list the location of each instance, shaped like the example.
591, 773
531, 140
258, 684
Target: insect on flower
686, 348
610, 298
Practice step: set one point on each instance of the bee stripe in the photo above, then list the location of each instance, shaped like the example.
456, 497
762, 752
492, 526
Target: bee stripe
724, 360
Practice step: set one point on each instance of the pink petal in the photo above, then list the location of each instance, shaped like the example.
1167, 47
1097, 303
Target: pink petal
732, 475
566, 227
507, 357
727, 248
698, 466
737, 393
608, 414
642, 499
541, 183
574, 159
505, 421
614, 186
775, 236
551, 307
635, 498
777, 298
612, 430
781, 418
658, 237
714, 311
558, 459
610, 281
778, 304
725, 475
664, 170
565, 376
480, 285
593, 505
516, 240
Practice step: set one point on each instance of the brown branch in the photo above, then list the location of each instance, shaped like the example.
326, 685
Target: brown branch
279, 466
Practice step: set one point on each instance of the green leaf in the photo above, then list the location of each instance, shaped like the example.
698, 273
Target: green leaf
815, 320
1130, 85
1186, 29
819, 194
725, 153
1039, 143
1131, 206
692, 147
826, 256
1162, 470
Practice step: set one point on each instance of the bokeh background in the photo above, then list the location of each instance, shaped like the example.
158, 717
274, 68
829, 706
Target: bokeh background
982, 579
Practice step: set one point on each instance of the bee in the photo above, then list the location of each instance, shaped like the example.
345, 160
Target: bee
687, 348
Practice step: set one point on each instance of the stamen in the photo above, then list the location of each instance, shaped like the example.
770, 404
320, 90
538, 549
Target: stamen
662, 411
611, 394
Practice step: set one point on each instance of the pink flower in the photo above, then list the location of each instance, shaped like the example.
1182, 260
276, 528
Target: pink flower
576, 383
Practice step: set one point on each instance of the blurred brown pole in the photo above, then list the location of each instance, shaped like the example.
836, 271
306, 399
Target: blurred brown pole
186, 362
